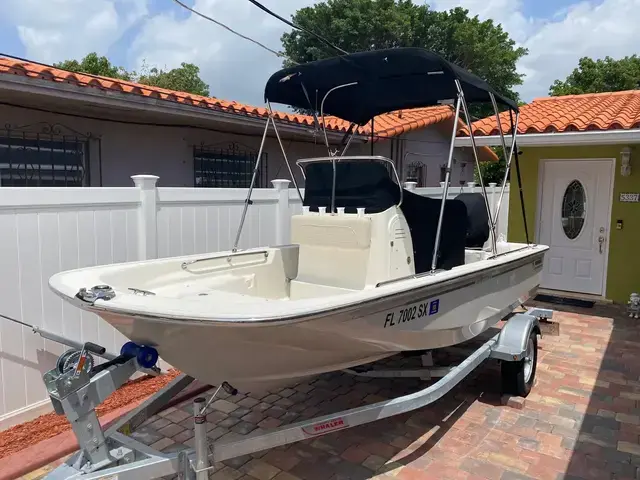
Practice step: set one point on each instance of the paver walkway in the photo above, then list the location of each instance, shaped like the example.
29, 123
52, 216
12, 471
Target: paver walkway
581, 420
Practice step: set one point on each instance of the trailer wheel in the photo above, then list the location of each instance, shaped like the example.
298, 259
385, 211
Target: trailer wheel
518, 377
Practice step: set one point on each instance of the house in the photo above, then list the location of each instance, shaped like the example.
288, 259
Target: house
67, 129
580, 168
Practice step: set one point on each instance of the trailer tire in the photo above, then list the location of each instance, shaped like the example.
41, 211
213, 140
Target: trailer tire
518, 377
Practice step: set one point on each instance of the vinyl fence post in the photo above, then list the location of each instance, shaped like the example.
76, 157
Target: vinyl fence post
147, 216
283, 215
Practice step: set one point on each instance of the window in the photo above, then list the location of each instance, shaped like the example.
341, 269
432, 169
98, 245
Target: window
230, 167
573, 209
417, 172
47, 159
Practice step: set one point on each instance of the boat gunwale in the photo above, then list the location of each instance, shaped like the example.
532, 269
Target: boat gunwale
436, 288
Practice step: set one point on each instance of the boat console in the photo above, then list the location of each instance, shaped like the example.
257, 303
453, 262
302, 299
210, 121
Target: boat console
377, 228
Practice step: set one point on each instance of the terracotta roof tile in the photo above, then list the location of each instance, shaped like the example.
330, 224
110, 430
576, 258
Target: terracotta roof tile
593, 111
387, 125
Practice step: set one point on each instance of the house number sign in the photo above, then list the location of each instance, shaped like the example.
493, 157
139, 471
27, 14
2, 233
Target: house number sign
630, 197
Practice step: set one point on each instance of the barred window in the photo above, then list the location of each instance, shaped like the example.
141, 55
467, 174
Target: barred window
47, 159
230, 167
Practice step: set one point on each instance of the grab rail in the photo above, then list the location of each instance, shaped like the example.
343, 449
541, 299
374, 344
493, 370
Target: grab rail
185, 265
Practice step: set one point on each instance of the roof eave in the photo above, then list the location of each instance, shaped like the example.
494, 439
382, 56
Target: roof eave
604, 137
107, 98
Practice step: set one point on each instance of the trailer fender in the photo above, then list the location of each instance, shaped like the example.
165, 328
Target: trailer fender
511, 344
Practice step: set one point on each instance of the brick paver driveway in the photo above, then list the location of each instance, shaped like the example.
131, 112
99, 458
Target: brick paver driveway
581, 420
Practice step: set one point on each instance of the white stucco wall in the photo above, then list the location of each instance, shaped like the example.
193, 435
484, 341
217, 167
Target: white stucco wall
429, 147
126, 149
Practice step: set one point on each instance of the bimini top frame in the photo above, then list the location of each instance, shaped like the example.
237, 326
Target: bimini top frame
357, 87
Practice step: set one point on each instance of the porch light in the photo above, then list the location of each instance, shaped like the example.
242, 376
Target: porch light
625, 162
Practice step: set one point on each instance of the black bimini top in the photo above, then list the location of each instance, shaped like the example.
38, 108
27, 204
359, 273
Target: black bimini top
387, 80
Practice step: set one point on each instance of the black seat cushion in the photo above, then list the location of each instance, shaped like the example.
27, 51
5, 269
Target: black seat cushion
422, 215
478, 229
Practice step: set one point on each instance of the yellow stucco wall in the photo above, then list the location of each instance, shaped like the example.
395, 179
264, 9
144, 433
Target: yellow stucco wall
623, 276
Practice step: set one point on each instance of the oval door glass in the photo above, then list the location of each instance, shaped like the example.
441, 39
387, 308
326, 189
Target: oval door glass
574, 209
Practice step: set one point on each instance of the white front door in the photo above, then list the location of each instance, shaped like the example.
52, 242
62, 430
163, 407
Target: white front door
574, 220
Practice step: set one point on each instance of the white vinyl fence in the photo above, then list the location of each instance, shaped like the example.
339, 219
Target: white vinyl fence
47, 230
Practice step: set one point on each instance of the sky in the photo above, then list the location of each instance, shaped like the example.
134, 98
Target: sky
159, 33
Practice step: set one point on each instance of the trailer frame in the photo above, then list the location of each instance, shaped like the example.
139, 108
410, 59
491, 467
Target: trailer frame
112, 454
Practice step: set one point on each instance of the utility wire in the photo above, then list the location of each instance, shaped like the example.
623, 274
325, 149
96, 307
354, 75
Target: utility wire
297, 27
206, 17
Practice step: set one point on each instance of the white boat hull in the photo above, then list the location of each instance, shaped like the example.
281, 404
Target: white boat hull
419, 313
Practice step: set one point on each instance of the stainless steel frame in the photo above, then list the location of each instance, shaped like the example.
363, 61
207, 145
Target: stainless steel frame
447, 179
507, 156
326, 141
460, 104
324, 126
253, 182
124, 458
284, 153
474, 148
346, 147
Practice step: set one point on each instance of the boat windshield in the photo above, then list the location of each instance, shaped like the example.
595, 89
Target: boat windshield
352, 180
360, 182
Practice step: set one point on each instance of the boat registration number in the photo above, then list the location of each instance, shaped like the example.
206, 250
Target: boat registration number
412, 312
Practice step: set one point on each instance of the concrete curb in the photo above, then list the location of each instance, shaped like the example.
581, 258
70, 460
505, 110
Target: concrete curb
48, 451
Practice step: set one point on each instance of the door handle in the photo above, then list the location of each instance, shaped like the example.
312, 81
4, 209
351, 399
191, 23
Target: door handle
600, 242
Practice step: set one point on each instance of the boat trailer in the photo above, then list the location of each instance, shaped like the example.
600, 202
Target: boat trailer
76, 387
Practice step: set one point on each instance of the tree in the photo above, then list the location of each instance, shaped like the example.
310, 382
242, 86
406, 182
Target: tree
357, 25
94, 65
602, 75
185, 78
492, 171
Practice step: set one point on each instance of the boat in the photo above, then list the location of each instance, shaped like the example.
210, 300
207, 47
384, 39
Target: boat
371, 270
